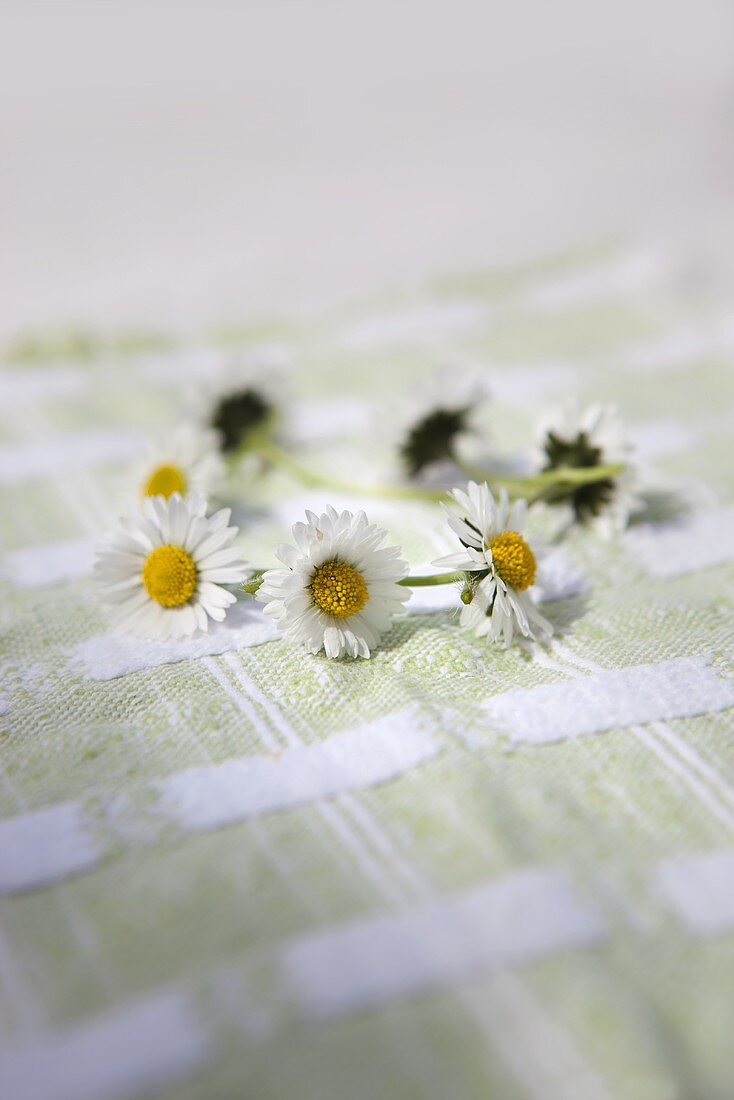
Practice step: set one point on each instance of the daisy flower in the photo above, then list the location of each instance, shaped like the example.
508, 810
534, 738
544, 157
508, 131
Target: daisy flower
338, 591
163, 568
187, 462
241, 399
500, 564
438, 423
594, 436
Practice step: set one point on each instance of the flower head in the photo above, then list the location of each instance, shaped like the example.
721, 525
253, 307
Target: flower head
235, 415
163, 568
187, 462
240, 401
432, 437
593, 436
338, 591
500, 565
433, 431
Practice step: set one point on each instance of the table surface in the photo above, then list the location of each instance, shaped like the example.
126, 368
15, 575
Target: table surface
228, 869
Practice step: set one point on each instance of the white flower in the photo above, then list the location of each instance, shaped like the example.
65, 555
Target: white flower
440, 419
339, 589
187, 462
162, 569
244, 396
501, 564
594, 436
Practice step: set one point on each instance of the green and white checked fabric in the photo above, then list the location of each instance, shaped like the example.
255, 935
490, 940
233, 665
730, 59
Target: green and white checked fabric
228, 870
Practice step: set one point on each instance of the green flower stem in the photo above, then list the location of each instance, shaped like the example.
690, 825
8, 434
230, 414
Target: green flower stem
278, 457
435, 578
251, 586
542, 486
547, 485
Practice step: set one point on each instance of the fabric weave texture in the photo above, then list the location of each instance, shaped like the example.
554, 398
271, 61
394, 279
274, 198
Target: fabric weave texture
232, 870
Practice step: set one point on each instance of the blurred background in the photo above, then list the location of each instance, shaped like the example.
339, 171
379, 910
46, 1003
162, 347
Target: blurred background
181, 163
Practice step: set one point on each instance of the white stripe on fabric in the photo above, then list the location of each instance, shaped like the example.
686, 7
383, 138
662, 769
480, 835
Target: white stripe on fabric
40, 384
146, 1046
49, 563
683, 764
439, 597
421, 321
538, 1050
25, 1008
59, 454
167, 368
331, 418
42, 846
111, 655
254, 693
686, 545
526, 384
610, 700
519, 917
680, 771
681, 348
655, 439
244, 703
717, 782
209, 797
626, 274
699, 889
558, 578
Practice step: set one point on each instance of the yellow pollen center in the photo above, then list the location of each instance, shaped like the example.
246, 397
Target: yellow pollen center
513, 560
338, 589
169, 576
164, 481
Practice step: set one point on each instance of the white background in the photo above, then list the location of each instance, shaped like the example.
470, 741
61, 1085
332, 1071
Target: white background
182, 162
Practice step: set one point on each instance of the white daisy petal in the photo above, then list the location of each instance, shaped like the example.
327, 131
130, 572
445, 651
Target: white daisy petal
457, 561
218, 558
288, 555
518, 514
466, 533
135, 535
179, 521
156, 509
198, 531
215, 540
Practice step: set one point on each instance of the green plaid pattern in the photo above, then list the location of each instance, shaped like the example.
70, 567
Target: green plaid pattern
447, 871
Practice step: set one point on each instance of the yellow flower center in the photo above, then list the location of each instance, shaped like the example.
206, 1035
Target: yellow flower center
169, 576
164, 481
339, 589
513, 560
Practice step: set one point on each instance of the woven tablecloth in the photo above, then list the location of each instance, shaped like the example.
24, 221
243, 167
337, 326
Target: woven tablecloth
230, 870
